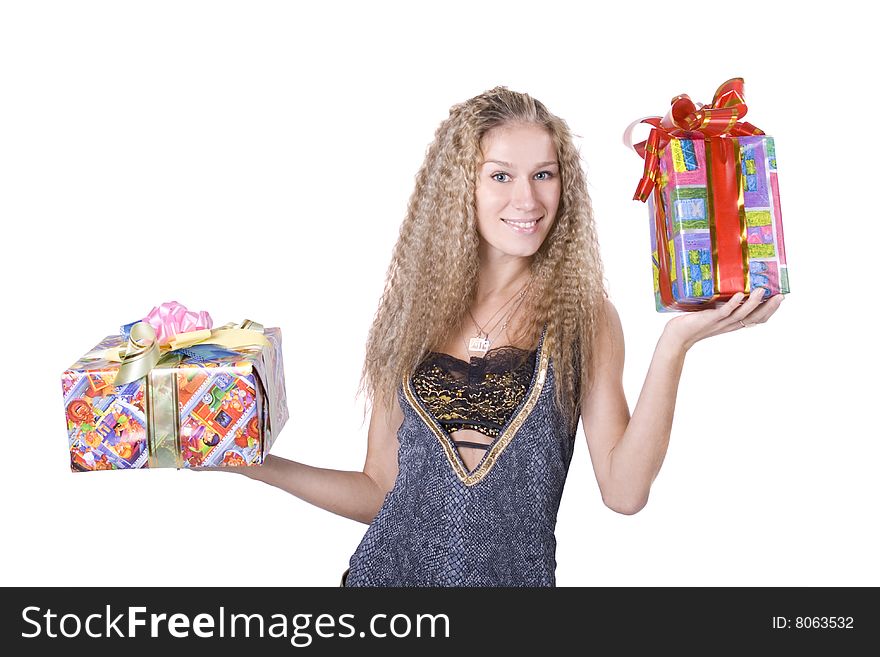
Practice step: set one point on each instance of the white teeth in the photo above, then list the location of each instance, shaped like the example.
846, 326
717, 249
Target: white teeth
519, 224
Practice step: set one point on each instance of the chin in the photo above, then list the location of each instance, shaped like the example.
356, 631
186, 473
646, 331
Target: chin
520, 250
522, 247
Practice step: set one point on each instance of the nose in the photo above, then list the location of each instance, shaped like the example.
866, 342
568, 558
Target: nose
523, 195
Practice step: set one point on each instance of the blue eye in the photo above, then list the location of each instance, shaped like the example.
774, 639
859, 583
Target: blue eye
547, 176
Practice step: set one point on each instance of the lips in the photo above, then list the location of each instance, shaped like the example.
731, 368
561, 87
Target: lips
523, 226
523, 223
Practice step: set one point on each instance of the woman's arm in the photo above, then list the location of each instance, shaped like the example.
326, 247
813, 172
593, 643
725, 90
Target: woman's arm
355, 495
627, 452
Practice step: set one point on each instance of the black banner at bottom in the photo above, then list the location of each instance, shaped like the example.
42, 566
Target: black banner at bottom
280, 620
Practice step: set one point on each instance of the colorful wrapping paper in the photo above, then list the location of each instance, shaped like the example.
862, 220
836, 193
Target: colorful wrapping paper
713, 195
202, 405
684, 190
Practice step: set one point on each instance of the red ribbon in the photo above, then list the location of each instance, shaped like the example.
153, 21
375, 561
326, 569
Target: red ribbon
685, 121
711, 123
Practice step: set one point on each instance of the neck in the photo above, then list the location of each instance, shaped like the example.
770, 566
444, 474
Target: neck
501, 277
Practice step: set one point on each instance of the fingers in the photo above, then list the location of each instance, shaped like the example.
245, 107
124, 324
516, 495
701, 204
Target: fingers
764, 311
749, 305
730, 305
752, 311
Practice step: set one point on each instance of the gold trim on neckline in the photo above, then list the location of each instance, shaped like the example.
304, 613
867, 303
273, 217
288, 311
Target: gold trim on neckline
471, 478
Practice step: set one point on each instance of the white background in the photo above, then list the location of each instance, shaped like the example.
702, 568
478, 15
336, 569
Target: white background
255, 160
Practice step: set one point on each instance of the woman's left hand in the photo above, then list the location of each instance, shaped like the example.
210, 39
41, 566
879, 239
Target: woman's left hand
691, 327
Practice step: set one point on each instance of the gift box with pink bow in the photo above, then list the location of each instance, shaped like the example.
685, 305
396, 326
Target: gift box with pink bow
715, 219
171, 391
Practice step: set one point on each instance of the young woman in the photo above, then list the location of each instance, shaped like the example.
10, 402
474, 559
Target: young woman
493, 337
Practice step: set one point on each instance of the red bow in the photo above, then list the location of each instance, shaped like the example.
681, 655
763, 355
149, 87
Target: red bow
687, 121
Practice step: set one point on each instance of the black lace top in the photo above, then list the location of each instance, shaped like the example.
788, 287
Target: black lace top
481, 394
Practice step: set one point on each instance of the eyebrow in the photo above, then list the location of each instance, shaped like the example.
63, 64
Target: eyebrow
510, 166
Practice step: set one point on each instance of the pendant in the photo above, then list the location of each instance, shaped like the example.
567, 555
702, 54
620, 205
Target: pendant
479, 344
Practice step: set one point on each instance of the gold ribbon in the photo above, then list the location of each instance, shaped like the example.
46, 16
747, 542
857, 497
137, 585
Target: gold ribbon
231, 336
140, 356
142, 352
163, 417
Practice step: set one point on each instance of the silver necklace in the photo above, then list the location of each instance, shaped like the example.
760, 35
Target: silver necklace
481, 342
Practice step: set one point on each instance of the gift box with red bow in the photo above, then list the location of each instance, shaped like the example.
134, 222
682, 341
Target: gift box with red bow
716, 223
170, 391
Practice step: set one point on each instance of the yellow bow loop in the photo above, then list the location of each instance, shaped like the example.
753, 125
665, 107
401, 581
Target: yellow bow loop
139, 356
231, 336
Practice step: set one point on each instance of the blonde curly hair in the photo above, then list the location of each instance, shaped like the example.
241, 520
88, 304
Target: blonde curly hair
432, 279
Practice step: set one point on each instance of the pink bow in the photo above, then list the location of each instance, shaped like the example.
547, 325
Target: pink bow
172, 318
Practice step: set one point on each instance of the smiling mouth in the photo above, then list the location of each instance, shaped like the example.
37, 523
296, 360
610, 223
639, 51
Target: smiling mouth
523, 224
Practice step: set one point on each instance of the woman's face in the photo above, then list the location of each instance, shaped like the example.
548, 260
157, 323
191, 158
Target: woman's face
517, 185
